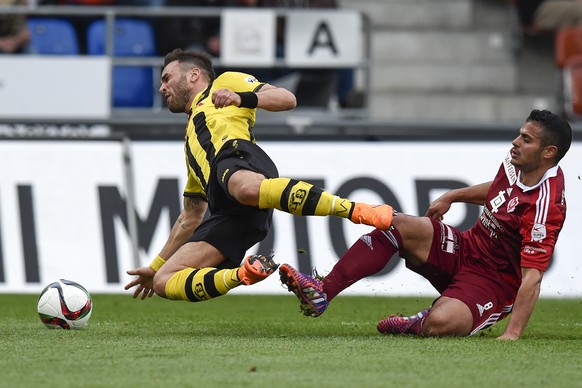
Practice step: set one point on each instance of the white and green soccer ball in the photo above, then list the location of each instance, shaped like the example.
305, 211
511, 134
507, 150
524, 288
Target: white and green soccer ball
65, 304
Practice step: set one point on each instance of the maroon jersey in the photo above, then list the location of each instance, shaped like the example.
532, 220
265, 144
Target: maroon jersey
519, 225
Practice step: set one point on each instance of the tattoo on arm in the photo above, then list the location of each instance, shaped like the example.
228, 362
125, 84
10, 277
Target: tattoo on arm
191, 202
181, 222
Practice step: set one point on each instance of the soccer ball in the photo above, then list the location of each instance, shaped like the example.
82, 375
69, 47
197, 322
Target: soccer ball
64, 304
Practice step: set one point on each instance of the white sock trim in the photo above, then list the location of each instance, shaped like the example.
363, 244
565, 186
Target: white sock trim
224, 280
333, 204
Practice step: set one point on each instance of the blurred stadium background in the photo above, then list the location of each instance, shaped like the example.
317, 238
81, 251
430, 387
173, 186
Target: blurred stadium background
416, 62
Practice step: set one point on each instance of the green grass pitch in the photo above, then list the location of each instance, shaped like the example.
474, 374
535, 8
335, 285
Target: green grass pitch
264, 341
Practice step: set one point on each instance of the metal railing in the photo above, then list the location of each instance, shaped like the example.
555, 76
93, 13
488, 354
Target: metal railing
299, 124
271, 127
111, 13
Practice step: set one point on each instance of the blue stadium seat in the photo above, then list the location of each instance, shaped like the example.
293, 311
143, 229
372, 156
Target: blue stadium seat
52, 36
132, 85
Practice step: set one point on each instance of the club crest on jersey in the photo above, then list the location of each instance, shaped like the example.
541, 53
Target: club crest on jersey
297, 198
513, 202
538, 232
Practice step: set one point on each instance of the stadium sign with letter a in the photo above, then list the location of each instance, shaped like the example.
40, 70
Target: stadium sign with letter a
323, 38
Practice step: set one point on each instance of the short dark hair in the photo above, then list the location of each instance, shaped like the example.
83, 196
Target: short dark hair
557, 131
198, 59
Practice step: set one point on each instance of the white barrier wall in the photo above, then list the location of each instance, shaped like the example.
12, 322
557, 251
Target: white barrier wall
63, 210
55, 86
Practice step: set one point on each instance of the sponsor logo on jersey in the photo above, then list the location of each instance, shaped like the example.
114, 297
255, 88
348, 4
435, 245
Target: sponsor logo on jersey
513, 202
528, 249
251, 80
496, 202
538, 232
509, 170
491, 223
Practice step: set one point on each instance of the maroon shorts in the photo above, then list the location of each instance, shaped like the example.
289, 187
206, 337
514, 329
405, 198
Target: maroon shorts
455, 273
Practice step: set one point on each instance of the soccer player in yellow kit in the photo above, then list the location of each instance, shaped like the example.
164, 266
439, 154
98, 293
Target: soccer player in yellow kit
229, 174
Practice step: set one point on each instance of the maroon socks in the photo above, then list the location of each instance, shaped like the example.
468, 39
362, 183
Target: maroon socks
365, 257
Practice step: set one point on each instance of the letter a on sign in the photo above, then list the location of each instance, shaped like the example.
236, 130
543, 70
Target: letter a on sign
323, 38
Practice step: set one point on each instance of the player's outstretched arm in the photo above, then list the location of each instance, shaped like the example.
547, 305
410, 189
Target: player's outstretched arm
268, 98
476, 194
524, 304
189, 219
275, 99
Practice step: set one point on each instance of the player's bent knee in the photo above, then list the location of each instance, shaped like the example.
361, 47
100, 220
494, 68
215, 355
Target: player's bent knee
244, 186
439, 325
247, 195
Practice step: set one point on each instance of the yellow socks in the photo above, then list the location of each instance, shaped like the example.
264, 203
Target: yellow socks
196, 285
301, 198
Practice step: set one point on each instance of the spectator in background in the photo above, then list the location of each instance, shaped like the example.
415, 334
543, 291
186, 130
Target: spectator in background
549, 15
189, 32
14, 33
316, 86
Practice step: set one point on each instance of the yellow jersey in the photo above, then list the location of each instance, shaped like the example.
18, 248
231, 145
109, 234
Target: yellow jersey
210, 128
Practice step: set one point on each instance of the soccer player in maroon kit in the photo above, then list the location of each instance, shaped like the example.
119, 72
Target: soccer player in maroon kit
482, 274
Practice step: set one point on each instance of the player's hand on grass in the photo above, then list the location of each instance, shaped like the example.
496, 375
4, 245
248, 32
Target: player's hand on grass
508, 337
144, 282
